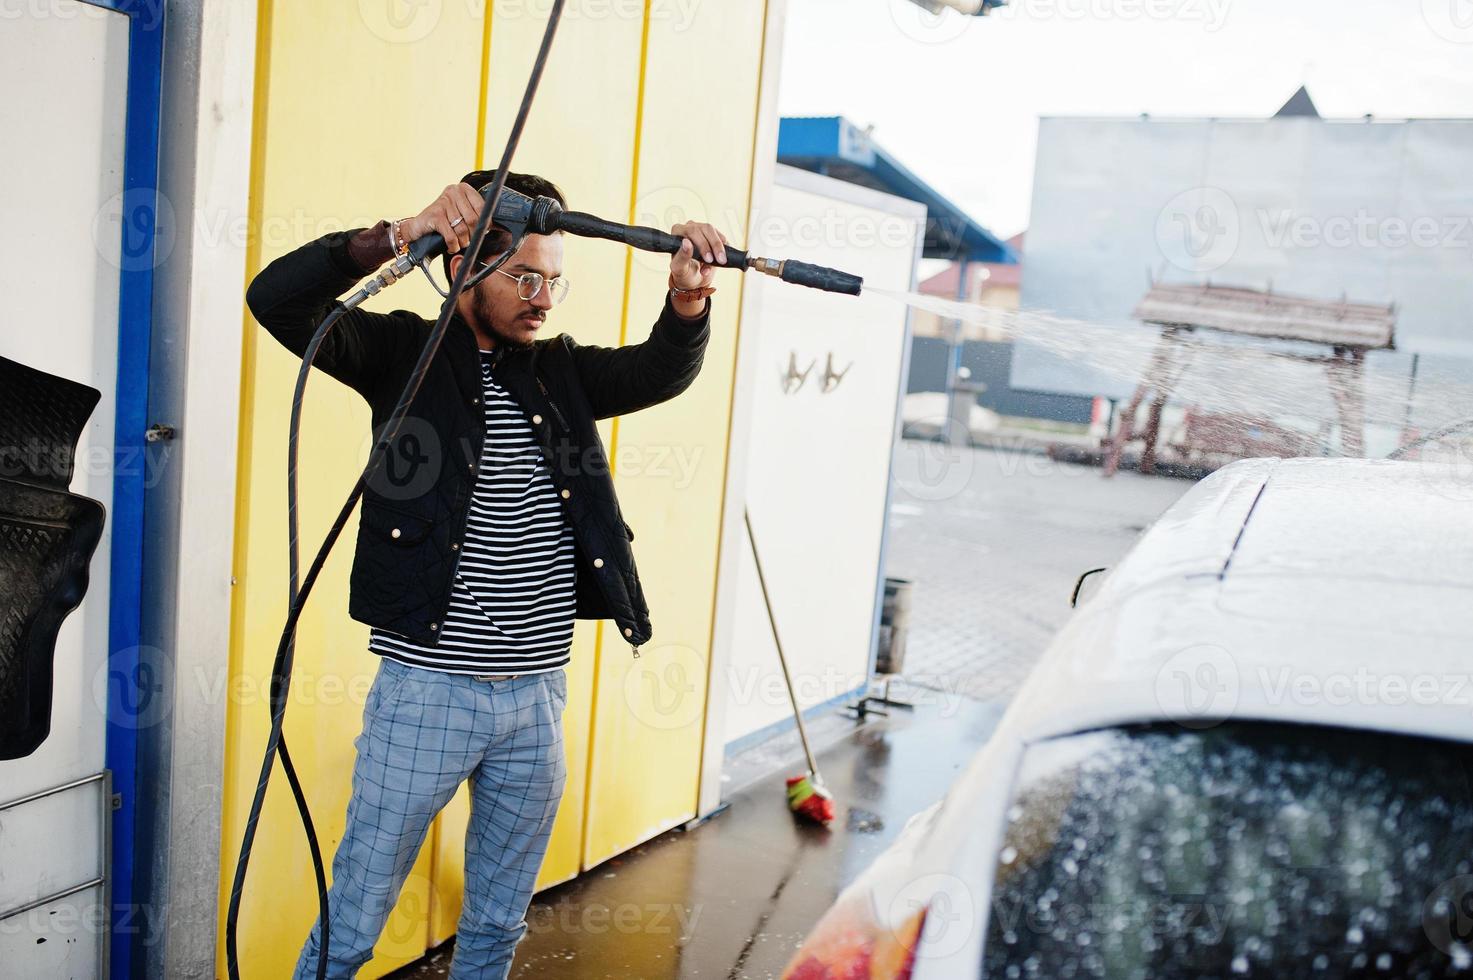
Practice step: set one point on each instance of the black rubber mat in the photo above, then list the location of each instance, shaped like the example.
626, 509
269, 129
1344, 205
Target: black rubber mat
47, 537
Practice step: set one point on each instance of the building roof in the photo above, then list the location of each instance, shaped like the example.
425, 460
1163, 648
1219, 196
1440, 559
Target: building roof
835, 147
1299, 104
1257, 313
983, 275
977, 8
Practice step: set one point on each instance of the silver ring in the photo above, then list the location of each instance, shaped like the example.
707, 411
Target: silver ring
457, 221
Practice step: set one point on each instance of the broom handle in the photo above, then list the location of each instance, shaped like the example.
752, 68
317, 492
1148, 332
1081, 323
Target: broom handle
781, 657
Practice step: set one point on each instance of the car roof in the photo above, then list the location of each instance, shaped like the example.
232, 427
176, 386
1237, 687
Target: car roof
1333, 592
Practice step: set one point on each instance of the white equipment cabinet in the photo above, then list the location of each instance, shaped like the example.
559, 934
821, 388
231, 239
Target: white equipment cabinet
818, 470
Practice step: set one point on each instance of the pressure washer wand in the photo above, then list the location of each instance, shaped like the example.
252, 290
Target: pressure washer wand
521, 215
653, 240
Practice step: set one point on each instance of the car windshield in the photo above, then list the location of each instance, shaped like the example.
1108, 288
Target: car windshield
1245, 850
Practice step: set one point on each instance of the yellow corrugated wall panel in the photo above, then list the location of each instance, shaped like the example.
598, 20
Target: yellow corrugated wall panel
702, 73
360, 115
580, 135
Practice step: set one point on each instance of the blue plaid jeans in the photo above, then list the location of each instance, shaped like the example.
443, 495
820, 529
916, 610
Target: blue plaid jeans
424, 733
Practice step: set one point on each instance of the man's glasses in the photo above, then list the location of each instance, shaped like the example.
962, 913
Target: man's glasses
529, 284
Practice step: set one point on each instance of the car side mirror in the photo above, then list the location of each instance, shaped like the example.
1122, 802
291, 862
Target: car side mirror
1079, 593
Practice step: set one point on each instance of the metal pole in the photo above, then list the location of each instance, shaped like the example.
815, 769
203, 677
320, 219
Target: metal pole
959, 415
1406, 428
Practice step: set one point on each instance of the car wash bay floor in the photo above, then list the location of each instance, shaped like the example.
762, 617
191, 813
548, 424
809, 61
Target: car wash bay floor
734, 896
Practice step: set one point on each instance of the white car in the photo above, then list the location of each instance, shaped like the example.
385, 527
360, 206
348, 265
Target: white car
1249, 754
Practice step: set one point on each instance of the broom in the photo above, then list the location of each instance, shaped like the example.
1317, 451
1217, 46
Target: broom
807, 796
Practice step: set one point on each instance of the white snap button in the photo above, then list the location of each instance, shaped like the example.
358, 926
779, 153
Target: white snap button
567, 494
434, 627
394, 533
628, 631
598, 563
455, 546
536, 420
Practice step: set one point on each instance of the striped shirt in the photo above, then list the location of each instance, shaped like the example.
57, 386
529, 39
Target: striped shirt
512, 602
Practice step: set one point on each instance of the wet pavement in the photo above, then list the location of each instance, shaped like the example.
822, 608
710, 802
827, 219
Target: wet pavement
994, 540
733, 897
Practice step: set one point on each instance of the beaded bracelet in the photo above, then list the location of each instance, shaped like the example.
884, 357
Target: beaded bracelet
396, 241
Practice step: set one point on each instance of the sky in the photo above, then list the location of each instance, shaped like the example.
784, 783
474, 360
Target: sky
957, 99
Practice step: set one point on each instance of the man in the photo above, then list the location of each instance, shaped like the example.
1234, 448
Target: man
493, 525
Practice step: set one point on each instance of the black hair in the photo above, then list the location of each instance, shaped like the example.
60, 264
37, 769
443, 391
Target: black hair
497, 240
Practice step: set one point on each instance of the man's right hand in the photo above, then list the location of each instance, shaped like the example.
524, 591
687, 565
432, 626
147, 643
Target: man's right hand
452, 216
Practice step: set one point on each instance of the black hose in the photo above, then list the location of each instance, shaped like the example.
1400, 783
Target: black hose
286, 646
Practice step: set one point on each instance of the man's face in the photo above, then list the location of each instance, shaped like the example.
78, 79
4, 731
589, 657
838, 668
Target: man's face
495, 307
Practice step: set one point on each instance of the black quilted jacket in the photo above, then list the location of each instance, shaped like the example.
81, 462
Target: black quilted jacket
414, 513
